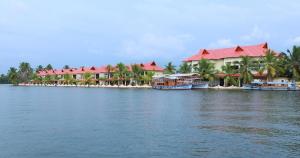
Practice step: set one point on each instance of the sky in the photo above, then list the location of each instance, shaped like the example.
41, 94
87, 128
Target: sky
99, 32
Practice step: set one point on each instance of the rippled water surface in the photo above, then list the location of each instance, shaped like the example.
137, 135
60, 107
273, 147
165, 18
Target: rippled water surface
86, 122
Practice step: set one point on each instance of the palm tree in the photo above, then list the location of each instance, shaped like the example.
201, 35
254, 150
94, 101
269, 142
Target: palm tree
170, 68
109, 69
67, 79
49, 67
39, 68
66, 67
245, 69
47, 79
36, 78
229, 71
205, 69
185, 68
13, 76
270, 62
294, 62
87, 78
147, 78
121, 71
137, 71
25, 72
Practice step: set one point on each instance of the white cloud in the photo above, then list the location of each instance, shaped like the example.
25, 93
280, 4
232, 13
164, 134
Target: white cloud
153, 46
256, 34
222, 43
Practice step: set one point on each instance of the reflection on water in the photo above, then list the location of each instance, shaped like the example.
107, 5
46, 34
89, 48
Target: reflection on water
87, 122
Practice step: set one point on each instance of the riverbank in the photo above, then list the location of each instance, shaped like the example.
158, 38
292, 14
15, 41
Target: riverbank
84, 86
121, 86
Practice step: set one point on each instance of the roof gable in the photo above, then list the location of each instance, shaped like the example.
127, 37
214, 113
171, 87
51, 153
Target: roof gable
233, 52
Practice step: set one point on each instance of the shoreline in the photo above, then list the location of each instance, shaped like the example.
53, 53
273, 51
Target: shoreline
121, 86
86, 86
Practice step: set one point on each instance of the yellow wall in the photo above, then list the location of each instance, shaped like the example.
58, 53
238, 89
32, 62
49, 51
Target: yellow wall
220, 62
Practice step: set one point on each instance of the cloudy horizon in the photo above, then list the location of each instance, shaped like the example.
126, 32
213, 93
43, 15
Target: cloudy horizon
96, 33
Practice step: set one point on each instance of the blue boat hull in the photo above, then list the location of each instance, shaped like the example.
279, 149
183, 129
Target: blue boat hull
179, 87
200, 86
270, 89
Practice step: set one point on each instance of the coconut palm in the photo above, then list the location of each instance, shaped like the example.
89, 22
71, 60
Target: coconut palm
270, 65
185, 68
36, 78
68, 79
229, 71
121, 72
205, 69
13, 76
170, 68
294, 62
39, 68
137, 71
66, 67
87, 78
47, 79
246, 65
49, 67
25, 72
147, 78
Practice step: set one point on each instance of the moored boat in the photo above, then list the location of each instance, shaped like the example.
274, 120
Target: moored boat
271, 86
171, 82
198, 84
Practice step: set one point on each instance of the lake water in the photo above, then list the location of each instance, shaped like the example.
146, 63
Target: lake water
38, 122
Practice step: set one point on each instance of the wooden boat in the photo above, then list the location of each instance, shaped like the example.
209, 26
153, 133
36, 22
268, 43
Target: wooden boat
171, 82
271, 86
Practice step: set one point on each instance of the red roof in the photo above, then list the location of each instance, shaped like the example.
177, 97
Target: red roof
151, 66
234, 52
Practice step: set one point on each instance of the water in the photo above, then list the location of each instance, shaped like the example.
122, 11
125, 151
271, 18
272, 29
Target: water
86, 122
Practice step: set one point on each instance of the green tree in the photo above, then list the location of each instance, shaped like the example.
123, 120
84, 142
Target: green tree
170, 68
39, 68
49, 67
25, 72
87, 78
3, 79
66, 67
185, 68
68, 79
137, 72
205, 69
246, 66
229, 71
270, 62
147, 78
36, 78
121, 71
294, 62
109, 69
13, 76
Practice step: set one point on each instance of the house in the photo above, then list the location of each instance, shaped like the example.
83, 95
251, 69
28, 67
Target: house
231, 55
98, 74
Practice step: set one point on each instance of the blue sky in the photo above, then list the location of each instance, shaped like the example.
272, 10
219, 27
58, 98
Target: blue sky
96, 32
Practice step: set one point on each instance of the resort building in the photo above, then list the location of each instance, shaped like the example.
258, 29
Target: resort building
232, 55
99, 75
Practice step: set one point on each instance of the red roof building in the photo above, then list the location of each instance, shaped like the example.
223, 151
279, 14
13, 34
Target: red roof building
228, 55
102, 71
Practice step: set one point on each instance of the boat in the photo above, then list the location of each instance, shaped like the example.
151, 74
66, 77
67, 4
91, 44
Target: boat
171, 82
199, 84
272, 86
